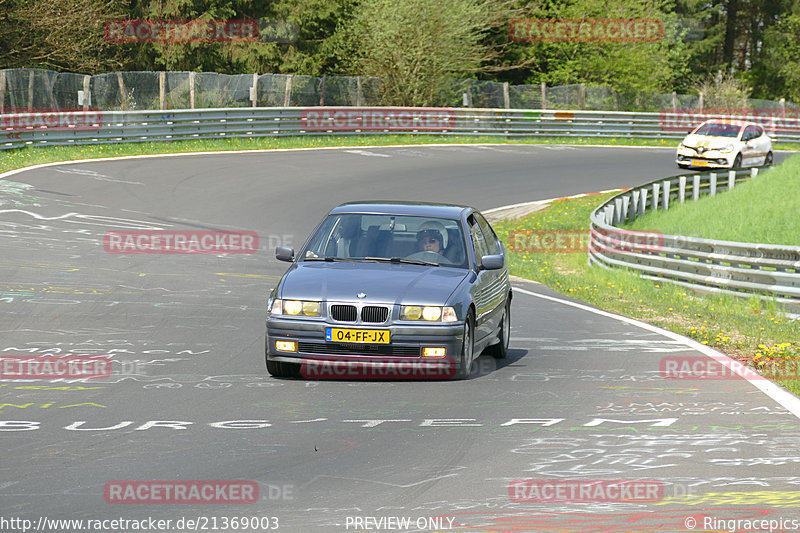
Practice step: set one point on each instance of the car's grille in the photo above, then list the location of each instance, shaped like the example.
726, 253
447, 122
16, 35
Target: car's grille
344, 313
374, 314
336, 348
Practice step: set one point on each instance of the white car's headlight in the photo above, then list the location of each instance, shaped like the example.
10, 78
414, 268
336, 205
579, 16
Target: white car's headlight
428, 313
726, 149
295, 307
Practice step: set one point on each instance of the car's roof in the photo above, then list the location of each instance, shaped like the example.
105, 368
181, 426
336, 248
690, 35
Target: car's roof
732, 122
394, 207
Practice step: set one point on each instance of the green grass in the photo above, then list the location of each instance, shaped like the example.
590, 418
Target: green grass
764, 210
33, 155
735, 326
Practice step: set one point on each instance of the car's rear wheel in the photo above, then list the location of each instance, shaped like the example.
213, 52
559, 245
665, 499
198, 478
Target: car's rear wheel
737, 161
500, 350
768, 159
464, 368
278, 368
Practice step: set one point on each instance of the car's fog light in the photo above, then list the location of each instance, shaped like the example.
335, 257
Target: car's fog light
286, 346
437, 351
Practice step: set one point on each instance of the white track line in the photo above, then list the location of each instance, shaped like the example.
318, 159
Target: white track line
786, 399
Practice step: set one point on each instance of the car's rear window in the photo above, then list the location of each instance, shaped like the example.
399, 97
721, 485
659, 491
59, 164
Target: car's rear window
356, 236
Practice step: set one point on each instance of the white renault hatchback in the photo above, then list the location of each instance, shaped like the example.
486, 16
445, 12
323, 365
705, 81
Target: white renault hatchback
725, 144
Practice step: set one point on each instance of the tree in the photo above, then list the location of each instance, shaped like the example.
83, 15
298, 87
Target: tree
56, 34
416, 47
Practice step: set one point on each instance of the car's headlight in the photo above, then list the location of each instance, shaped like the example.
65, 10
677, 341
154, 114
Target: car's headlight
295, 307
428, 313
725, 149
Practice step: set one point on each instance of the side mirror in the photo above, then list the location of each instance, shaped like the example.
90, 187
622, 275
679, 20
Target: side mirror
284, 253
492, 262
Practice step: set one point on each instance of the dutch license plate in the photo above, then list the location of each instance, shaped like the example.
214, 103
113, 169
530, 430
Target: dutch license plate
366, 336
700, 163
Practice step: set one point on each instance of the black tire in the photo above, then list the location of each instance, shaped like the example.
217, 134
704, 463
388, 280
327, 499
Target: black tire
683, 166
464, 368
768, 159
500, 350
737, 161
277, 368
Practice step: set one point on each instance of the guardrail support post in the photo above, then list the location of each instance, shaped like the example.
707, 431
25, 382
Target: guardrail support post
2, 90
30, 90
712, 190
87, 97
643, 202
626, 201
731, 179
696, 187
122, 96
617, 212
655, 196
609, 214
544, 95
682, 188
753, 172
634, 203
287, 93
665, 198
162, 90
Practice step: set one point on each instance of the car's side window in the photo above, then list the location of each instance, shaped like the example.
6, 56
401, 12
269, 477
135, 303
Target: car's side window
759, 132
488, 234
750, 133
478, 241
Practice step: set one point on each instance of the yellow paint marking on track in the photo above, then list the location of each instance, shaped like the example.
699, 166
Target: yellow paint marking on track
773, 498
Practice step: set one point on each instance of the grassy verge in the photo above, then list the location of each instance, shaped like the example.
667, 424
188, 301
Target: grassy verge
769, 204
751, 331
30, 155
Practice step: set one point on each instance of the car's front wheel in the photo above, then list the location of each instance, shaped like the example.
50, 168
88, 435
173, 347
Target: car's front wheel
278, 368
768, 159
464, 366
500, 350
737, 161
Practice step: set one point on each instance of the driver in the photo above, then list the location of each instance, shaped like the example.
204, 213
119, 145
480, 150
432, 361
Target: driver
429, 238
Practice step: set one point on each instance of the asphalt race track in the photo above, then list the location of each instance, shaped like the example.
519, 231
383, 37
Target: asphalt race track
580, 397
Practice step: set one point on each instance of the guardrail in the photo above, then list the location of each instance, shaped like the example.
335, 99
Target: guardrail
744, 269
98, 127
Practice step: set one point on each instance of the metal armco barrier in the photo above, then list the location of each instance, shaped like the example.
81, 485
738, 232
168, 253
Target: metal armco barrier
43, 128
768, 270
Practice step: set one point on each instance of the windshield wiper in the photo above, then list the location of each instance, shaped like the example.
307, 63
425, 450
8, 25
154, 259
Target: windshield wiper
401, 260
328, 259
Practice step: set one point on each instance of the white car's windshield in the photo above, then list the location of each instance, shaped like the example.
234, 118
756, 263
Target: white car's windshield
383, 237
716, 129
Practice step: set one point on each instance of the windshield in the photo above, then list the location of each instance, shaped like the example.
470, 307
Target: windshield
367, 237
716, 129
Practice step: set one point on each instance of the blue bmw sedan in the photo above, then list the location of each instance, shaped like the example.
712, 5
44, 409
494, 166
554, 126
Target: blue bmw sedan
397, 290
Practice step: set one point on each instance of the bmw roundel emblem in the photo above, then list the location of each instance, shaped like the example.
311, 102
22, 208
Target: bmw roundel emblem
361, 295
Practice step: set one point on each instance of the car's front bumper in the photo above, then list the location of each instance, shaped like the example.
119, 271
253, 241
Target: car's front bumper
404, 348
709, 158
